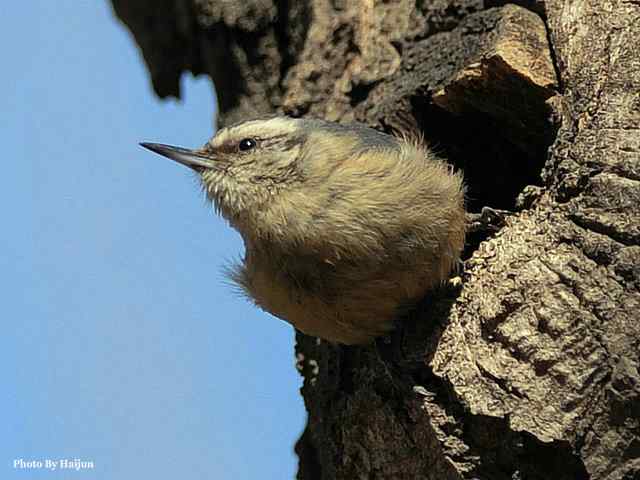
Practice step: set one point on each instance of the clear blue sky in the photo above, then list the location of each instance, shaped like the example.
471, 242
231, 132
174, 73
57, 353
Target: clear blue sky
122, 344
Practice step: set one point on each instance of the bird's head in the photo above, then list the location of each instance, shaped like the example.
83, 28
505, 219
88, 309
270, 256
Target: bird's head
244, 165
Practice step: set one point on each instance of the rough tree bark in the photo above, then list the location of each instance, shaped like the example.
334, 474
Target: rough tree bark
527, 367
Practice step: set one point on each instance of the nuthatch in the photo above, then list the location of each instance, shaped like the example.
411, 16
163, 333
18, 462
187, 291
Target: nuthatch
343, 226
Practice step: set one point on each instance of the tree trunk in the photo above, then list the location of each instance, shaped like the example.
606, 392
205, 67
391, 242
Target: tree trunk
527, 366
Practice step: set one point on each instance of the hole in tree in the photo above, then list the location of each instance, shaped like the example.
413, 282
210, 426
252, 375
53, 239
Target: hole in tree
496, 166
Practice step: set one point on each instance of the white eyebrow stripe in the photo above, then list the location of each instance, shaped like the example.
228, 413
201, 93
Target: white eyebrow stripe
276, 126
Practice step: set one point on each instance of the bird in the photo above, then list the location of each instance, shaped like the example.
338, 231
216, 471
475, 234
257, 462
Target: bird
344, 227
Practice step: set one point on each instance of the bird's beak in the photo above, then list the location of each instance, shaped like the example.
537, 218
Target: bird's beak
191, 158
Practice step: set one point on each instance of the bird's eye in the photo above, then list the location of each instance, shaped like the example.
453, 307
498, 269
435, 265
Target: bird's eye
246, 144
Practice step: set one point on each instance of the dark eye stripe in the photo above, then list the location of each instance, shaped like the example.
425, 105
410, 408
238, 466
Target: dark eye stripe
233, 146
225, 148
267, 142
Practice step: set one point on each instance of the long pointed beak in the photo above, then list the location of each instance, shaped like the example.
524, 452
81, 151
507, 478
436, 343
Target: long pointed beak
191, 158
